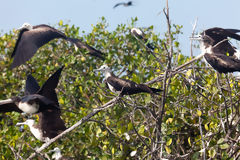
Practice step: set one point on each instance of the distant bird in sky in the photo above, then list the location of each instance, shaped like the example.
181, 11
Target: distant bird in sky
124, 86
31, 38
139, 34
36, 99
125, 4
217, 49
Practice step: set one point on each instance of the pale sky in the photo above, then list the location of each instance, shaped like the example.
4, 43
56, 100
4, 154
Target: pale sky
84, 13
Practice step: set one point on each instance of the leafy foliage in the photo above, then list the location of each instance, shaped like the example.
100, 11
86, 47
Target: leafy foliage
201, 113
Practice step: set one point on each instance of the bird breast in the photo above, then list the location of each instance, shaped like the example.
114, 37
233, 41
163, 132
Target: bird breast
37, 133
29, 108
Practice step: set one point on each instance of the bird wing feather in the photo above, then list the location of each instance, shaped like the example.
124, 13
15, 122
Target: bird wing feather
29, 41
31, 86
48, 88
9, 105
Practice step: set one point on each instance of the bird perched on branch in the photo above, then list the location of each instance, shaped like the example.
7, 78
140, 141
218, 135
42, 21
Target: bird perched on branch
139, 34
217, 49
129, 3
124, 86
31, 38
50, 123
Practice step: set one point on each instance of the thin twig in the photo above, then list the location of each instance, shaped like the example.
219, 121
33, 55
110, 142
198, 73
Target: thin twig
16, 155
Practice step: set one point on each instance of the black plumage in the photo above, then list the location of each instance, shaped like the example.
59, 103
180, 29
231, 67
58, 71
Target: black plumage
218, 51
124, 86
36, 99
31, 38
223, 63
129, 3
217, 39
50, 123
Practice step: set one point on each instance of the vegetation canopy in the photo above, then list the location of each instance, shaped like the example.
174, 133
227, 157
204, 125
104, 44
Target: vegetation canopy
196, 115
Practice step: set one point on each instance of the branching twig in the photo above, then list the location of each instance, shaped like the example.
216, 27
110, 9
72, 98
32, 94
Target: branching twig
16, 155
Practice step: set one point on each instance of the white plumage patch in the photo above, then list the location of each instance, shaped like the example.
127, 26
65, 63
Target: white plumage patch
28, 108
237, 54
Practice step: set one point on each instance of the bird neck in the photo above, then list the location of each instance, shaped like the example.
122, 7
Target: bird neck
36, 132
108, 74
205, 48
57, 155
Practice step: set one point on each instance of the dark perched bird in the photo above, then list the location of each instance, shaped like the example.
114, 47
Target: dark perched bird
124, 86
31, 38
58, 156
217, 49
49, 124
36, 99
215, 40
129, 3
139, 34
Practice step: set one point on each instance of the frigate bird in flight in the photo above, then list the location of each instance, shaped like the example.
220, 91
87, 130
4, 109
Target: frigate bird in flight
217, 49
124, 86
125, 4
139, 34
36, 99
31, 38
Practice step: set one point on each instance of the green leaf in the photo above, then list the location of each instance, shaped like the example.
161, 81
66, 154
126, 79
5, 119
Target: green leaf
169, 142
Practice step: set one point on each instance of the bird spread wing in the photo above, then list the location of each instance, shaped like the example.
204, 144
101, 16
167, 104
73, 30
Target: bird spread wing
223, 63
29, 41
221, 34
31, 86
48, 88
92, 51
118, 4
9, 105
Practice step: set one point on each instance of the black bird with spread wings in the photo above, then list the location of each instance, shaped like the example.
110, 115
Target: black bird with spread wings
31, 38
125, 4
50, 123
219, 52
36, 99
124, 86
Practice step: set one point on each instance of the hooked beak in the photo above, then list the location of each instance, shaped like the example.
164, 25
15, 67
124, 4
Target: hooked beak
96, 70
21, 123
197, 37
20, 28
50, 151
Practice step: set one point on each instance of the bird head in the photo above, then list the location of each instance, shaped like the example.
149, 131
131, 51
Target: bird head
105, 69
57, 153
26, 26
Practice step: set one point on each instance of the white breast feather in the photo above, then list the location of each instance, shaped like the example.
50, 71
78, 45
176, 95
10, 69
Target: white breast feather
27, 108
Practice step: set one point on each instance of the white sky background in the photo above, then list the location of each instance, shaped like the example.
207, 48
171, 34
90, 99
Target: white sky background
83, 13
